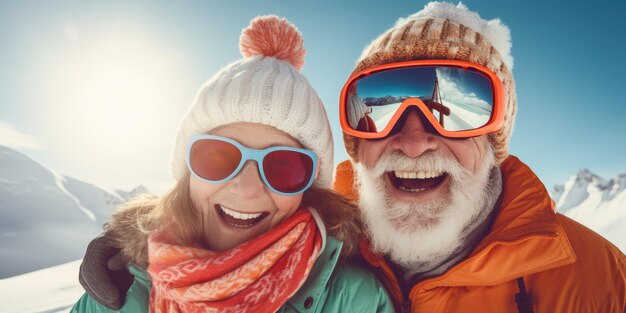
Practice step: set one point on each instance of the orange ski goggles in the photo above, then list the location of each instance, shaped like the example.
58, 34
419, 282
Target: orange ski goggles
459, 99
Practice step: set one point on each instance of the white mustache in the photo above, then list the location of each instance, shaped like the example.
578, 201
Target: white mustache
429, 161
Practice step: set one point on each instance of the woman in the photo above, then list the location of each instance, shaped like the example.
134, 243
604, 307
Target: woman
250, 225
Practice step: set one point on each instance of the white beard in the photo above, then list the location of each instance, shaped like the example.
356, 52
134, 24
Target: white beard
423, 235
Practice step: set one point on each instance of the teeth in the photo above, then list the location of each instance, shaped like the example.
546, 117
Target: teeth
239, 216
420, 174
411, 190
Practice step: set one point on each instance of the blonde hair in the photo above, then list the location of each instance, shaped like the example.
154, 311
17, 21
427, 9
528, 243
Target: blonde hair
174, 214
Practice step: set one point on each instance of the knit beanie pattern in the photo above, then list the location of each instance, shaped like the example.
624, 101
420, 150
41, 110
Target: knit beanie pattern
447, 31
264, 87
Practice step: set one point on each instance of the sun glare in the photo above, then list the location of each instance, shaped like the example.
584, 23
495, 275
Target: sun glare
116, 88
110, 94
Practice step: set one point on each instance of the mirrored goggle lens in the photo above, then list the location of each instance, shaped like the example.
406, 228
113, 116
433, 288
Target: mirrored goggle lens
214, 159
459, 99
288, 171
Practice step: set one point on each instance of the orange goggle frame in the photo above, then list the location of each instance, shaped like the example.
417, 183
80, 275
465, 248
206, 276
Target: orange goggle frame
492, 125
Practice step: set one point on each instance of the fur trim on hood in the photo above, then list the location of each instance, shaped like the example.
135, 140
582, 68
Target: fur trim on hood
124, 231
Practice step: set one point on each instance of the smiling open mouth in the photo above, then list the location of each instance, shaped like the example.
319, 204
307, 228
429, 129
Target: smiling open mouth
419, 181
237, 219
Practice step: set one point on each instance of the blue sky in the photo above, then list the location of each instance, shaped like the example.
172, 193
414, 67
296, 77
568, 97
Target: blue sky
96, 89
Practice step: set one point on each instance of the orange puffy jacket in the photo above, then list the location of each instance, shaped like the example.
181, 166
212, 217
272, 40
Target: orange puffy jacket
565, 266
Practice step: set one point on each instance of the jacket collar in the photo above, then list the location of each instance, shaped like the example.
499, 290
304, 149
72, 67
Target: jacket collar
318, 277
525, 236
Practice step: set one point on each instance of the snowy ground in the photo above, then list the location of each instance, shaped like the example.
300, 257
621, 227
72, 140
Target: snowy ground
53, 289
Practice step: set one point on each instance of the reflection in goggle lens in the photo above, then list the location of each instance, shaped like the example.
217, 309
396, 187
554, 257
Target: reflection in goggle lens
458, 99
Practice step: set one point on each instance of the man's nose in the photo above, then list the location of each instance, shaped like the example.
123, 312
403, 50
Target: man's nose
247, 184
415, 136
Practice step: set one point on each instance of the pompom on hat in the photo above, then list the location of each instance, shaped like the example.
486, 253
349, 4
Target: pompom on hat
271, 36
446, 31
264, 87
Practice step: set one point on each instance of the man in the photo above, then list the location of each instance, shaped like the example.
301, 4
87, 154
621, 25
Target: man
454, 224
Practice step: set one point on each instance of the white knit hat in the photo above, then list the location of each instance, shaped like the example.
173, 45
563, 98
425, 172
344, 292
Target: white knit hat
264, 87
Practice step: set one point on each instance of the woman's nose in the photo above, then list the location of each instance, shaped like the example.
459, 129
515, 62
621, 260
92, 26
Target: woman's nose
247, 184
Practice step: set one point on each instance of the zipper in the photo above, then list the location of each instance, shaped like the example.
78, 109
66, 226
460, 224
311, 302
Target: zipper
406, 305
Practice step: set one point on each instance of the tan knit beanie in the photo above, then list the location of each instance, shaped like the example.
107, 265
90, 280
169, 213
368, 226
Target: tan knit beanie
447, 31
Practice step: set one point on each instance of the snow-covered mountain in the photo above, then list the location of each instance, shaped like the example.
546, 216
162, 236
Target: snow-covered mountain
46, 218
595, 202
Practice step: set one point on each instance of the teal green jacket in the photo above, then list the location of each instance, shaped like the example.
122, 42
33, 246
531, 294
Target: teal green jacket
330, 287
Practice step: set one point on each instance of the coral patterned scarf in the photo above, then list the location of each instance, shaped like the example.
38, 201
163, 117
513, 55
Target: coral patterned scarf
259, 275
